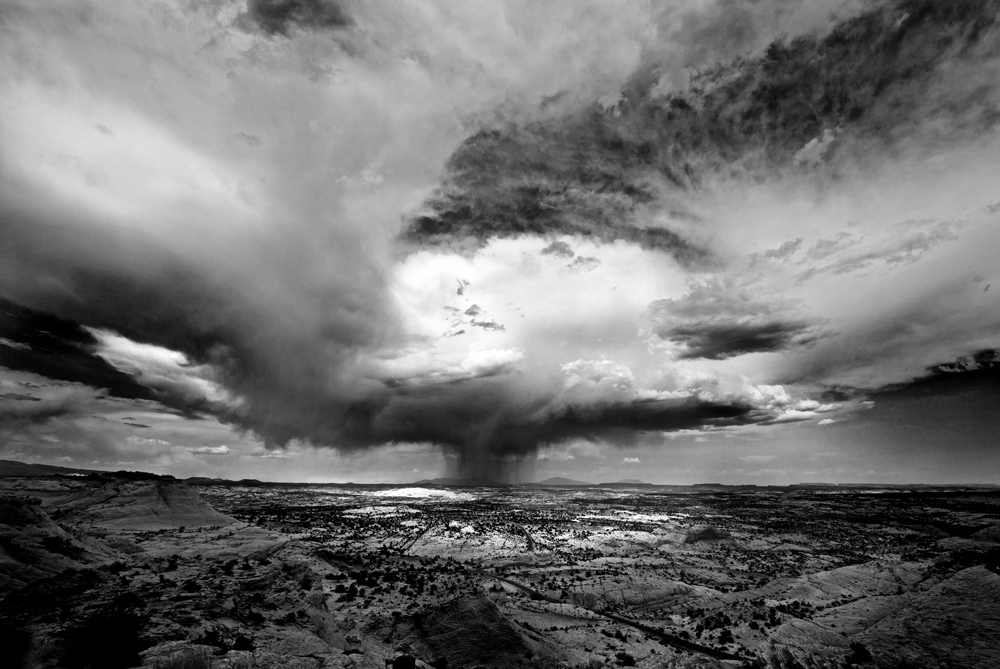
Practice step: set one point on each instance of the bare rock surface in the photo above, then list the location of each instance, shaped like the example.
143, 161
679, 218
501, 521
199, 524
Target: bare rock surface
145, 505
861, 614
991, 533
802, 644
473, 632
32, 546
954, 624
697, 536
875, 578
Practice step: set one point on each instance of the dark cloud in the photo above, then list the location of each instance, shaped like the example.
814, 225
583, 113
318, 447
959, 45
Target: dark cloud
716, 320
716, 341
488, 325
567, 177
491, 423
605, 175
977, 373
61, 349
869, 77
559, 250
945, 422
280, 17
22, 397
473, 316
265, 348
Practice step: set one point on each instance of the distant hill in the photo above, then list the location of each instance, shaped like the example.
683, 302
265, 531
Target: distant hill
14, 468
459, 483
559, 480
637, 481
204, 480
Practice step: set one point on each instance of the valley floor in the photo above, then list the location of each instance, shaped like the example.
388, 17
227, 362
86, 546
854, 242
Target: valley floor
361, 576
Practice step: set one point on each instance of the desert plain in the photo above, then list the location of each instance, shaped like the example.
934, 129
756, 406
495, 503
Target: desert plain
136, 570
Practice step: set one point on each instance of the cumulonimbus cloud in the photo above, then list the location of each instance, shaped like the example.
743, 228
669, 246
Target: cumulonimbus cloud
234, 241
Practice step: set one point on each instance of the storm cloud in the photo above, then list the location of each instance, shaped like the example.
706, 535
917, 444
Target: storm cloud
280, 16
717, 321
58, 348
489, 227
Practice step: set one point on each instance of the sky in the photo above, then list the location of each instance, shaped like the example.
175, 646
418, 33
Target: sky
328, 240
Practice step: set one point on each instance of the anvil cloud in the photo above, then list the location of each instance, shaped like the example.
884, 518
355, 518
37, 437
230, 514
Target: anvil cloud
493, 230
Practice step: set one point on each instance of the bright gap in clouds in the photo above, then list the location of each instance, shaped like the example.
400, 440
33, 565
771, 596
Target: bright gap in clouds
497, 239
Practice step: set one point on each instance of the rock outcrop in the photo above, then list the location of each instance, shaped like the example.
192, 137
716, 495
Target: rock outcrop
33, 546
954, 624
473, 632
802, 644
991, 533
155, 505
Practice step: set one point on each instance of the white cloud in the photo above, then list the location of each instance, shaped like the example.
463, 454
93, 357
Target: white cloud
555, 456
631, 461
210, 450
431, 366
139, 441
162, 369
812, 153
272, 454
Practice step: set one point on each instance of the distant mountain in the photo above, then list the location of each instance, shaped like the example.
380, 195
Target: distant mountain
14, 468
630, 481
459, 483
559, 480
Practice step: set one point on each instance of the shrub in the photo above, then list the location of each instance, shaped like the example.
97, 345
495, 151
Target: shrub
109, 639
404, 662
625, 659
858, 653
15, 642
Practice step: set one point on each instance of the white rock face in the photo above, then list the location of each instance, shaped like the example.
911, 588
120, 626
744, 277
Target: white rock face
155, 506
